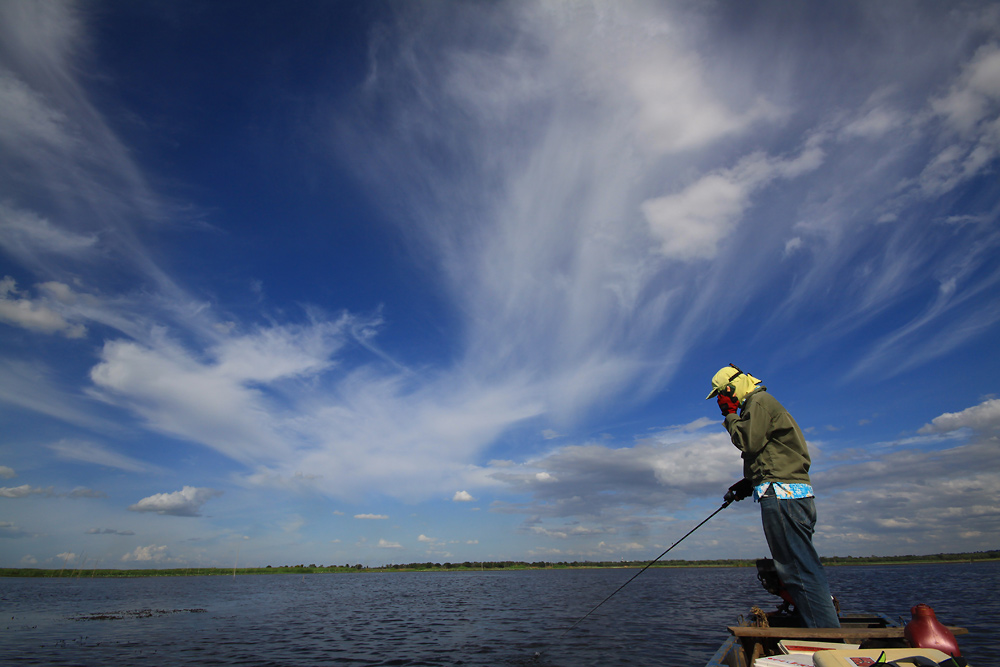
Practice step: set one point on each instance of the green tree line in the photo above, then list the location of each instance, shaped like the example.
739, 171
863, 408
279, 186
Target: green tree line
429, 566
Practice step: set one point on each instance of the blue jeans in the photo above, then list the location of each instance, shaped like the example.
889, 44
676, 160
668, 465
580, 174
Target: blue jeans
788, 527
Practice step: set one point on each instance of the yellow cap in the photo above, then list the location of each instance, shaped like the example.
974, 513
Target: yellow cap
725, 375
743, 384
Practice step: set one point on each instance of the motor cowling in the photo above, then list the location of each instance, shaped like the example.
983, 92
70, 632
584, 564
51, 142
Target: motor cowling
767, 575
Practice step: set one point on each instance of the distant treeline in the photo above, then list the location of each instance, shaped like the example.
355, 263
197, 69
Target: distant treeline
428, 566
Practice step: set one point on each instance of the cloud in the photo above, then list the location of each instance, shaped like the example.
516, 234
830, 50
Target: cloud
12, 531
152, 553
23, 491
462, 497
973, 97
969, 110
692, 223
109, 531
370, 516
7, 473
385, 544
925, 488
553, 188
983, 418
186, 502
25, 234
218, 403
91, 452
33, 315
603, 484
67, 557
33, 386
82, 492
677, 107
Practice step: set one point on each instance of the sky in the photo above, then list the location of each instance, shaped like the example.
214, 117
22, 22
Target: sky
390, 282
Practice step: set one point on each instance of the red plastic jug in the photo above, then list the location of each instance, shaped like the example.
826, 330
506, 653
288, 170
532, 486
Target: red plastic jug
925, 631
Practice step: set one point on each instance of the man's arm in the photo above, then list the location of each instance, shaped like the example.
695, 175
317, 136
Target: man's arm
749, 430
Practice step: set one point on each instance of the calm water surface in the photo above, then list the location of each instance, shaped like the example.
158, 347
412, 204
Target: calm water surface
665, 617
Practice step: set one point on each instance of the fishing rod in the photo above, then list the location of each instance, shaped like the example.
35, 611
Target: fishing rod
725, 504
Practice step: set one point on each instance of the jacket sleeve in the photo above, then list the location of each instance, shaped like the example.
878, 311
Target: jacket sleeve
750, 429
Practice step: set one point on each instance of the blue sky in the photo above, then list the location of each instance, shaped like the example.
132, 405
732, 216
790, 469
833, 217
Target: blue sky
388, 282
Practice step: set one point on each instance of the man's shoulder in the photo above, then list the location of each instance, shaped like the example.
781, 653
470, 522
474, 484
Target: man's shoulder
761, 398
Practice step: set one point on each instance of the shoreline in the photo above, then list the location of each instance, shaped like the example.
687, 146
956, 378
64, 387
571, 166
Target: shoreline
505, 566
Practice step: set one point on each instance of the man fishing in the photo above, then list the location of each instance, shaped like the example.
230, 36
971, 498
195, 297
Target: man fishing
776, 473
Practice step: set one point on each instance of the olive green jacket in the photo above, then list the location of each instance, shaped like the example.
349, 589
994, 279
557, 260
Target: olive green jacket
774, 449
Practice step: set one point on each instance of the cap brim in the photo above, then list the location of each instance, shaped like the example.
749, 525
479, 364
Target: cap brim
712, 394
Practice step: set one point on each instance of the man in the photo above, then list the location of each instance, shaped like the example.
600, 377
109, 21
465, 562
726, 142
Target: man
776, 473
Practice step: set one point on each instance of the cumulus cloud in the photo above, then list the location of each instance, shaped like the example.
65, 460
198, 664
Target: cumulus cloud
984, 418
23, 491
152, 553
7, 473
186, 502
939, 487
599, 483
462, 497
386, 544
371, 516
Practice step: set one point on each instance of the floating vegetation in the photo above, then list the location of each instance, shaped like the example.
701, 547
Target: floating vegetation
132, 613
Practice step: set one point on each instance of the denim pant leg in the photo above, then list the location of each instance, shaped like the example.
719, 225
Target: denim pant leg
788, 527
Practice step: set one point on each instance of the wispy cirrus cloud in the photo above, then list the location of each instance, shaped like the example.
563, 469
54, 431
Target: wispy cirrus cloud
97, 454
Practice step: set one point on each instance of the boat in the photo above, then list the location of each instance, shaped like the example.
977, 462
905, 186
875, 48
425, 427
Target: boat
760, 635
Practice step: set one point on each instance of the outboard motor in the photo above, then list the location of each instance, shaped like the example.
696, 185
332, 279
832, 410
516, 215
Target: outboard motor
767, 574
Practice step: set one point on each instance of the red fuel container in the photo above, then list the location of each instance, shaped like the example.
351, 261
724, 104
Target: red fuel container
925, 631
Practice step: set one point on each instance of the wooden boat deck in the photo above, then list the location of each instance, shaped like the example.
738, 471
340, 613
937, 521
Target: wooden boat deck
748, 642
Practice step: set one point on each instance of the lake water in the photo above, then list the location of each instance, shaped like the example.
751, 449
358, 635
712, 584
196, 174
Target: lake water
664, 617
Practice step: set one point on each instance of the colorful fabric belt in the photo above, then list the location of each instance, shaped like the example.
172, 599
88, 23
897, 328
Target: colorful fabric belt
784, 490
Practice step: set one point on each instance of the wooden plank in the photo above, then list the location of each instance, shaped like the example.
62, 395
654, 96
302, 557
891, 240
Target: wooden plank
827, 633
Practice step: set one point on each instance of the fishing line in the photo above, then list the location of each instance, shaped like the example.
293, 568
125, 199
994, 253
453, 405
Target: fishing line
724, 506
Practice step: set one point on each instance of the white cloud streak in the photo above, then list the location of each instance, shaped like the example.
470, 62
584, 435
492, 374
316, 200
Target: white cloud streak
97, 454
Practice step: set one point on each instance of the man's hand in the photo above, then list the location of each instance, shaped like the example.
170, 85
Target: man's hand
738, 491
728, 404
